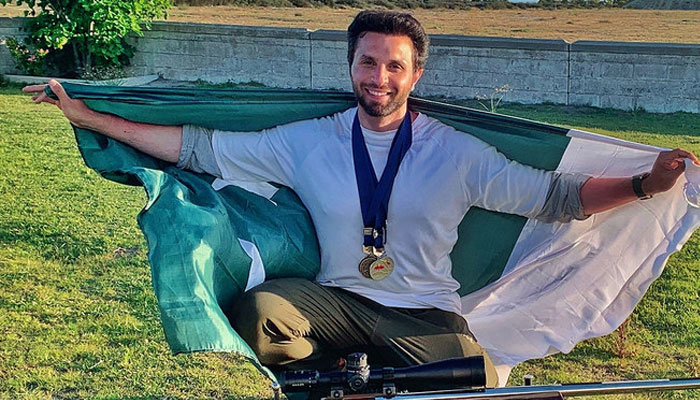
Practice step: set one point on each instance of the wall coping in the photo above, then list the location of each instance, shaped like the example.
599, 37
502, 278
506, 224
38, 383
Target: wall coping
329, 35
500, 42
231, 30
466, 41
670, 49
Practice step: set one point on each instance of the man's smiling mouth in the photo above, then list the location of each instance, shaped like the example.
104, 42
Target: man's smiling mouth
377, 93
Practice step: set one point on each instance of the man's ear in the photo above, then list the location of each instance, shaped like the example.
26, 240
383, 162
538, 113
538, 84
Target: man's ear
416, 77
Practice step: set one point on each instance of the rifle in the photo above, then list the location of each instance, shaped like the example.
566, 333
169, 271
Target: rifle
452, 379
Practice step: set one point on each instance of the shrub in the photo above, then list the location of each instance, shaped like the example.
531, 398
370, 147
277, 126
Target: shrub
81, 34
28, 58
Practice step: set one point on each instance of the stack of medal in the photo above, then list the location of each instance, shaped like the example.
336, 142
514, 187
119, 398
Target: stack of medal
374, 196
376, 265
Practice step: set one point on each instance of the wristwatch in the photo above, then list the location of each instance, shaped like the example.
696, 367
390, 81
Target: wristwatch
637, 186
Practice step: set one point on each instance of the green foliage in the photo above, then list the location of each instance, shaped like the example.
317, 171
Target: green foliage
81, 34
27, 57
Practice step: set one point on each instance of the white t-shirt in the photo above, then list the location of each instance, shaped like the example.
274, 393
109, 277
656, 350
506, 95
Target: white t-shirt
444, 173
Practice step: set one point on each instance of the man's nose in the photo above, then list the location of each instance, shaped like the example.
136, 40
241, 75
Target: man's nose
380, 76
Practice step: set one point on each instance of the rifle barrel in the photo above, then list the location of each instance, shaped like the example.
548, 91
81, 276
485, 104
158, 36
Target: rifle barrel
566, 390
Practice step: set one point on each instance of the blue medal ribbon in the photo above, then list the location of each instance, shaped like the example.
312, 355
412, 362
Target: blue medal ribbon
374, 194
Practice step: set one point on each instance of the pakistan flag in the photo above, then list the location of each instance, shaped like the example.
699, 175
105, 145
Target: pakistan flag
528, 288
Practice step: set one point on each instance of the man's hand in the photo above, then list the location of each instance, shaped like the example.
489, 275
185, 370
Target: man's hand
75, 110
601, 194
669, 165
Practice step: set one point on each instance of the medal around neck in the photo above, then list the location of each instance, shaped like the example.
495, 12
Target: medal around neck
374, 196
365, 265
381, 268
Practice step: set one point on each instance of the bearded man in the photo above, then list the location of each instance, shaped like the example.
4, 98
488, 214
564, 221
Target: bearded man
386, 189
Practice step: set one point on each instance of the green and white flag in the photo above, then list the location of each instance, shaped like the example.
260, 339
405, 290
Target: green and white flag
528, 288
564, 283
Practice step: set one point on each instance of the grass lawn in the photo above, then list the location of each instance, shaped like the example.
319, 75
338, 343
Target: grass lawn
78, 318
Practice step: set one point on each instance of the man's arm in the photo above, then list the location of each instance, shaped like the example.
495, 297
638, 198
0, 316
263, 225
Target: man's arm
601, 194
160, 141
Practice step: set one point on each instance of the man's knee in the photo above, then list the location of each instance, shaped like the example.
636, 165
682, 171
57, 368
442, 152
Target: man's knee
471, 348
272, 327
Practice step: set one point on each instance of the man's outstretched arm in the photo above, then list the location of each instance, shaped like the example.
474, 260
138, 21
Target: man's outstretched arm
160, 141
601, 194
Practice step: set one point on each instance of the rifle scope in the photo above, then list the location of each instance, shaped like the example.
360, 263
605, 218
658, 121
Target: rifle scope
465, 372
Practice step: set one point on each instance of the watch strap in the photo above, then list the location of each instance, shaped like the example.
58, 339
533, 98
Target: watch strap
637, 186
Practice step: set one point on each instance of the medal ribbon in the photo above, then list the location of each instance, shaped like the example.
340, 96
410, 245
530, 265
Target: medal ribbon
374, 194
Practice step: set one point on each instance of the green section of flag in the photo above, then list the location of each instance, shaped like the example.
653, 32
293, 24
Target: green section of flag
199, 267
485, 242
486, 238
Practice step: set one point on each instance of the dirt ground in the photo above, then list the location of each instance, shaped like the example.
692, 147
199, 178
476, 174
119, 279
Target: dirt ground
571, 25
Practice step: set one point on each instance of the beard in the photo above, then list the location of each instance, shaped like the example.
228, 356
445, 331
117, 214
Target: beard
376, 109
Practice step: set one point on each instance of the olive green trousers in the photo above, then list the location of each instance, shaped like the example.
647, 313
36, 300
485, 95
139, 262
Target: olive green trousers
299, 324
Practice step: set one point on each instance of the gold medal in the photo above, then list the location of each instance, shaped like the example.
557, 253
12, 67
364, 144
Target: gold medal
381, 268
365, 264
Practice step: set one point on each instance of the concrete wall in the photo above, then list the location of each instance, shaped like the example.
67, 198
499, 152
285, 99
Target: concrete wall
329, 52
223, 53
656, 77
535, 70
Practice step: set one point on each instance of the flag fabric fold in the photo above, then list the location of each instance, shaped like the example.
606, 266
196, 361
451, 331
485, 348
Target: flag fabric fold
528, 288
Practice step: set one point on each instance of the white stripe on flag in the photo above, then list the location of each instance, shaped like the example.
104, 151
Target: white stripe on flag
256, 274
565, 283
262, 189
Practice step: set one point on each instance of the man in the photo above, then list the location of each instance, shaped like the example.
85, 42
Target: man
386, 189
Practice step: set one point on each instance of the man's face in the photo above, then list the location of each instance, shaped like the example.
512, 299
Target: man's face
382, 73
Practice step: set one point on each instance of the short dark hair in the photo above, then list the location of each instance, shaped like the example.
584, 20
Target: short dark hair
389, 23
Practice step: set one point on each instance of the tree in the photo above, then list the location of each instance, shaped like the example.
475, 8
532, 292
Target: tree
83, 34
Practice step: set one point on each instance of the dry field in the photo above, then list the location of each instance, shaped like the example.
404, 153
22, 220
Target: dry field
571, 25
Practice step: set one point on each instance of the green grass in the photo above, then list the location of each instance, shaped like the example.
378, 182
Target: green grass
78, 318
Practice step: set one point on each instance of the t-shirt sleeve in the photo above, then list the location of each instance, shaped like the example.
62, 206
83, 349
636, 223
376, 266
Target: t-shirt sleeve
564, 198
266, 156
196, 153
496, 183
